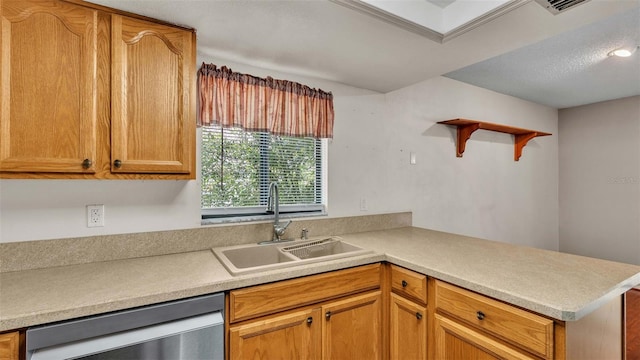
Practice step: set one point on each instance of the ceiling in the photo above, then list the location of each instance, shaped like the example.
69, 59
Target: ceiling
441, 3
435, 19
569, 69
560, 55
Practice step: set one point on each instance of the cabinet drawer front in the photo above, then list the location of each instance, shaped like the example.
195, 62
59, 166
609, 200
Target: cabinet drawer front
283, 295
521, 328
454, 340
409, 283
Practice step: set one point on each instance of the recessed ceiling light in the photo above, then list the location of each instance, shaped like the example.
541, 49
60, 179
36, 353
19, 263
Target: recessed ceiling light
623, 52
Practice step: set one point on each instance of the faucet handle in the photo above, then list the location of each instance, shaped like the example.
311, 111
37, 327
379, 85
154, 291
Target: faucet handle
279, 229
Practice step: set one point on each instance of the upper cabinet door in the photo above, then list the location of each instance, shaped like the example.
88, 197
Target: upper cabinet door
48, 91
152, 117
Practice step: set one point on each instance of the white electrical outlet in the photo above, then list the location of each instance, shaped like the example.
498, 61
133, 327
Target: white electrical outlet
363, 204
95, 215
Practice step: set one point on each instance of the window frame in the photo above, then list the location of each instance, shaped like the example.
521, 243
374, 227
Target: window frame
258, 213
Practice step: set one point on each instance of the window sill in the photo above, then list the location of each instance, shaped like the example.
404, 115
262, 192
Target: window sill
256, 218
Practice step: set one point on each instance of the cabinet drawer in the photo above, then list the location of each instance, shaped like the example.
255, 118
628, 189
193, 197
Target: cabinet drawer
519, 327
409, 283
288, 294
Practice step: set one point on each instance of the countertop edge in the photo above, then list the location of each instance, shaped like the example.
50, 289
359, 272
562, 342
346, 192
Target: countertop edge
220, 280
615, 291
26, 320
542, 309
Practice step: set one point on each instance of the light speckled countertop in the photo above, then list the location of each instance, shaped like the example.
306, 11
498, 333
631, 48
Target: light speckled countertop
559, 285
562, 286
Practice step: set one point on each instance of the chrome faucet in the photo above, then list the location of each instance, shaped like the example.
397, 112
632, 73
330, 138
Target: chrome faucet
273, 206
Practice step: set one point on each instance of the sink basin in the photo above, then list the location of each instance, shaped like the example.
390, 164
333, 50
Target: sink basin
253, 258
247, 257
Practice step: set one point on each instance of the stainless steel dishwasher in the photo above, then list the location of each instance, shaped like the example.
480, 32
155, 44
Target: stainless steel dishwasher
185, 329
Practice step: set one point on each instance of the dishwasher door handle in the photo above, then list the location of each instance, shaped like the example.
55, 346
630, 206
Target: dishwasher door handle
119, 340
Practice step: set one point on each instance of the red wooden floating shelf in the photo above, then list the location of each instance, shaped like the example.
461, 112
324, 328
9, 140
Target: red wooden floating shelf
466, 127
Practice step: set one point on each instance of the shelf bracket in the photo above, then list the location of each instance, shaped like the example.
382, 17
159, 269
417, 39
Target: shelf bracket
464, 133
520, 141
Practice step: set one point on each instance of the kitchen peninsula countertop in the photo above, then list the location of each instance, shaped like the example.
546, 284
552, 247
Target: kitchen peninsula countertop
562, 286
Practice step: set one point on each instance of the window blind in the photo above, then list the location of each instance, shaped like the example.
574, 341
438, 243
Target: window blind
238, 166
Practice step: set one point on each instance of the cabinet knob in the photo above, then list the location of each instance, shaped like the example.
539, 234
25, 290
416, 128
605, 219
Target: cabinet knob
480, 315
117, 164
309, 320
86, 164
419, 315
404, 284
327, 315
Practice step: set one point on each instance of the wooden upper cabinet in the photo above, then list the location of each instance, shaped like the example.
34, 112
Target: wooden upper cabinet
48, 93
152, 116
88, 92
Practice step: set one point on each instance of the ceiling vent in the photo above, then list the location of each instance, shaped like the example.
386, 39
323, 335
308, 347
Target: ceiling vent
557, 6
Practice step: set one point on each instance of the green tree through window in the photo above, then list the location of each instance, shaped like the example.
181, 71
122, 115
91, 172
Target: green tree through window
238, 166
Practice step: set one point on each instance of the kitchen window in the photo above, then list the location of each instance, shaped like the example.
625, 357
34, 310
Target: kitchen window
238, 166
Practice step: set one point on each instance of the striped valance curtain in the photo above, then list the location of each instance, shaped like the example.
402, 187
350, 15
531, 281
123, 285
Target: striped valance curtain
280, 107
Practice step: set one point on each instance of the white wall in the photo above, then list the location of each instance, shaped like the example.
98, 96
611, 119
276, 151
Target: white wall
600, 180
483, 194
52, 209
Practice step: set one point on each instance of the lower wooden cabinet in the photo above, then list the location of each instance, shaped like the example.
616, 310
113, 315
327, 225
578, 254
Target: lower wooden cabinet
467, 325
351, 328
408, 316
335, 315
385, 312
10, 346
292, 335
457, 341
345, 329
408, 329
478, 314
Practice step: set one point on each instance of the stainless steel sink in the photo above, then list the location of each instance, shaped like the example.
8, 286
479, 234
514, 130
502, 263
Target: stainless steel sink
252, 258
